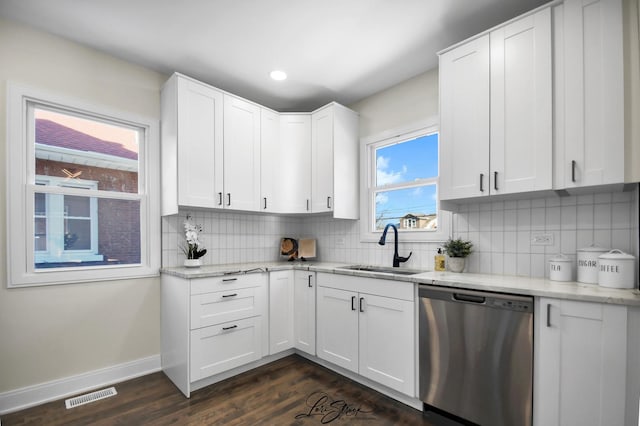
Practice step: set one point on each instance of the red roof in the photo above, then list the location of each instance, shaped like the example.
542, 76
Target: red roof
51, 133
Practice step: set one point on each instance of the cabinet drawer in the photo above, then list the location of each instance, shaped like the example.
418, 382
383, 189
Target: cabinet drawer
223, 306
227, 282
225, 346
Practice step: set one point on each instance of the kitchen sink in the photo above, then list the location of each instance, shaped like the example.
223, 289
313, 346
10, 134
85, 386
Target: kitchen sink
382, 269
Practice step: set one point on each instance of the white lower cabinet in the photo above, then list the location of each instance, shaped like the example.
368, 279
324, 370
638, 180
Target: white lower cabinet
281, 307
221, 347
580, 364
211, 325
367, 326
304, 312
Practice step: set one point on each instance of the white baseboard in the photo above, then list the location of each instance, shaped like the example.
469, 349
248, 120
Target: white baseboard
30, 396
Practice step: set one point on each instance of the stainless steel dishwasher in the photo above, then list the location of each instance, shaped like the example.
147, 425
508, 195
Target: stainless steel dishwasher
476, 355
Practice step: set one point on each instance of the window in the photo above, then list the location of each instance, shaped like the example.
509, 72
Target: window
401, 185
83, 197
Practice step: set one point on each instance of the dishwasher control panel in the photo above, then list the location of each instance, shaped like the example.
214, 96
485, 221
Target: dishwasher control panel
512, 305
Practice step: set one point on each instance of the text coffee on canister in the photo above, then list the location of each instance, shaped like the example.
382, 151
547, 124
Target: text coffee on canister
588, 263
616, 269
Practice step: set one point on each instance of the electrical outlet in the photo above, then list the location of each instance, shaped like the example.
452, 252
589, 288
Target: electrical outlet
541, 239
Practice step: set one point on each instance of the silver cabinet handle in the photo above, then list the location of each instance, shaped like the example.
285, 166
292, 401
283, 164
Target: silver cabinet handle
573, 170
361, 304
353, 302
481, 182
310, 280
495, 180
219, 198
328, 202
228, 198
265, 203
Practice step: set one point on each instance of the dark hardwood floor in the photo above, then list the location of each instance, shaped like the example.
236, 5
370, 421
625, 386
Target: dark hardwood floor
290, 391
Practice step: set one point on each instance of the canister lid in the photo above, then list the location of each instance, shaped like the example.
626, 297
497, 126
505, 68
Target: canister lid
593, 247
616, 254
560, 258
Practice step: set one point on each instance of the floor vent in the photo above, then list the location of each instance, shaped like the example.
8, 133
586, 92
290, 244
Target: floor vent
90, 397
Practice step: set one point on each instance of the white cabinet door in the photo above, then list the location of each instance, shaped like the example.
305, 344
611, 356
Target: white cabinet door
335, 162
338, 327
521, 108
464, 120
280, 311
294, 163
221, 347
322, 160
386, 328
270, 166
241, 154
305, 311
580, 364
594, 93
192, 163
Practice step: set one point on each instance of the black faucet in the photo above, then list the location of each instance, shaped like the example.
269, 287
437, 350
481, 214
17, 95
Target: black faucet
396, 259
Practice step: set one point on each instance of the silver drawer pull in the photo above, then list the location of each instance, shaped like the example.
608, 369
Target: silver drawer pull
229, 328
230, 295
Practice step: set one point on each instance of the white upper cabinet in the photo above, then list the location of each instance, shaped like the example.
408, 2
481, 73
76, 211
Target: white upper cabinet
270, 161
521, 105
191, 144
464, 120
593, 83
496, 111
294, 163
334, 161
222, 151
241, 154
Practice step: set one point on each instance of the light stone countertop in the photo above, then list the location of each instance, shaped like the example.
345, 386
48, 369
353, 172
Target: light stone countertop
483, 282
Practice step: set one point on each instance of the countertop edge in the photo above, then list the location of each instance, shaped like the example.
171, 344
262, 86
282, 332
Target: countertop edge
537, 287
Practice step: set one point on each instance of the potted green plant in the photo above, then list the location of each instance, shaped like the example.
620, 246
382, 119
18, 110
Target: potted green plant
457, 250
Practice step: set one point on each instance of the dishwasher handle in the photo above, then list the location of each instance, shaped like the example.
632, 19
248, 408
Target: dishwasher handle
470, 298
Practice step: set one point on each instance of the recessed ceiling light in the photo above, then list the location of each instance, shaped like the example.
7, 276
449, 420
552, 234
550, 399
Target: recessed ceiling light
278, 75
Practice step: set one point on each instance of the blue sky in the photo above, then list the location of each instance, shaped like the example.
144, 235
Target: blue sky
403, 163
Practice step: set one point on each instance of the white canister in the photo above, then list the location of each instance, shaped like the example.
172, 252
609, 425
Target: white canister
560, 268
616, 270
588, 263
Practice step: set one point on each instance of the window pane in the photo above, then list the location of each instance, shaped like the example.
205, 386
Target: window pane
40, 231
79, 150
409, 209
77, 234
407, 161
76, 206
86, 231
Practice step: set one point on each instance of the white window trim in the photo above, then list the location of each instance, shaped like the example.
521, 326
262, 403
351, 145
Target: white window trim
21, 186
85, 255
367, 183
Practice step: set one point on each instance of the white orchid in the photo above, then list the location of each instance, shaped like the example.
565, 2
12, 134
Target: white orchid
191, 231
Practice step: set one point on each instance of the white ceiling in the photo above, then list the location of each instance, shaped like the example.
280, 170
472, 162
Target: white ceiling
342, 50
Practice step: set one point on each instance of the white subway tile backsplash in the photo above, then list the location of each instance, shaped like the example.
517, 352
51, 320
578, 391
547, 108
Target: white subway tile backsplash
500, 230
602, 216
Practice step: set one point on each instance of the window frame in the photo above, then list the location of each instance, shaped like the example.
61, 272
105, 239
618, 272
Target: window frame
21, 187
368, 187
